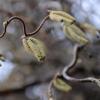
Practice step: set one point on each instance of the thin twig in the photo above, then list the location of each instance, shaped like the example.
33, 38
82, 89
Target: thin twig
71, 65
8, 22
50, 95
40, 26
24, 27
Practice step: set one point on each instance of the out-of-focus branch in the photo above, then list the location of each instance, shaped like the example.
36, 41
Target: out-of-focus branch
71, 65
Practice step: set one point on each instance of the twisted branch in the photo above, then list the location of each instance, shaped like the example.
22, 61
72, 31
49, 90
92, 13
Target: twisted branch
71, 65
6, 23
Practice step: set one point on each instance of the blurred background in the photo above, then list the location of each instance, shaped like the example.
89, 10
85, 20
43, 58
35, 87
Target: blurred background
22, 77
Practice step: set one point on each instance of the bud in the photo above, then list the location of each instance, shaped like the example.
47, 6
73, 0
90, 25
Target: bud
60, 15
2, 58
61, 85
34, 47
71, 30
75, 34
88, 28
5, 23
91, 32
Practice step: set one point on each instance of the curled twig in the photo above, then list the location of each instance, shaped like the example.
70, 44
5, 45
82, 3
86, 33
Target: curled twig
71, 65
6, 23
50, 94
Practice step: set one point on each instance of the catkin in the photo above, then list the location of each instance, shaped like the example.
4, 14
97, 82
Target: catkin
74, 34
61, 85
35, 47
59, 15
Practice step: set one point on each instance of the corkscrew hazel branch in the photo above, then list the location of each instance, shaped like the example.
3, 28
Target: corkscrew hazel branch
71, 65
6, 23
50, 94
